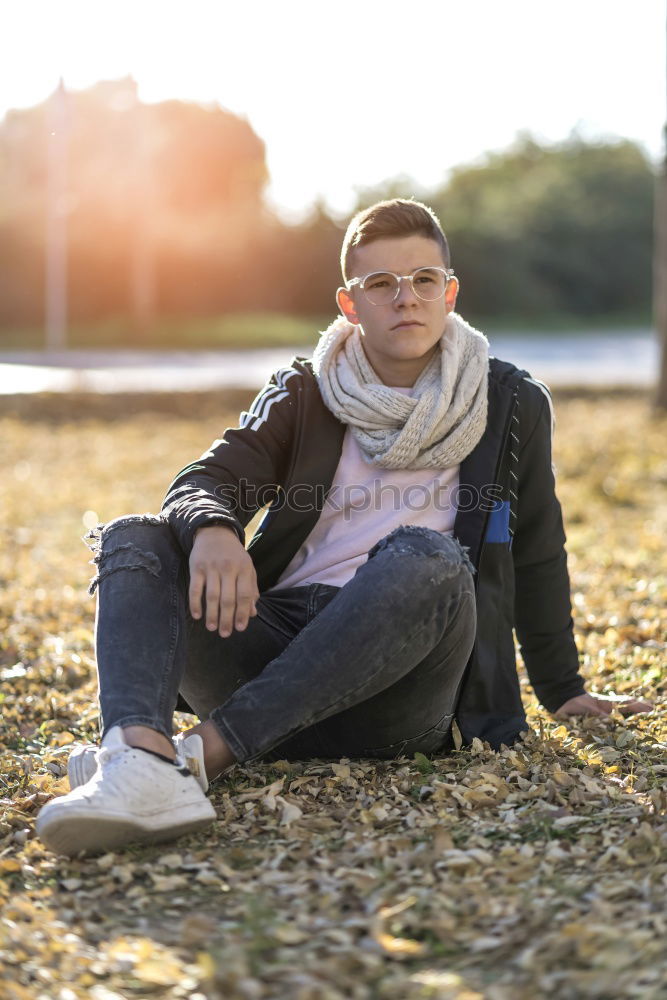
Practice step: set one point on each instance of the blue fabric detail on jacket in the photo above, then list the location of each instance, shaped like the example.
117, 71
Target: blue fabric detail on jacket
498, 526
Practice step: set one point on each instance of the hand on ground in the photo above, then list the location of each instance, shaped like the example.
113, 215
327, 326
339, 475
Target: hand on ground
602, 704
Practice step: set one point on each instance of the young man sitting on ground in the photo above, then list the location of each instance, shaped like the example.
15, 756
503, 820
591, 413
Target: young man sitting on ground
412, 524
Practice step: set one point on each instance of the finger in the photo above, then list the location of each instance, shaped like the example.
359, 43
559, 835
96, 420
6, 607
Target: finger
227, 605
581, 711
255, 595
195, 593
244, 601
630, 707
212, 600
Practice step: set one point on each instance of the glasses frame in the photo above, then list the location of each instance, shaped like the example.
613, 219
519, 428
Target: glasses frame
361, 282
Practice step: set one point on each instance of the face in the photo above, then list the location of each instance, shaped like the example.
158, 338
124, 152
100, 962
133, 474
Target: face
401, 337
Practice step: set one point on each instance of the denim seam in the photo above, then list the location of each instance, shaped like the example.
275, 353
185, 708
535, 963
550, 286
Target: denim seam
409, 739
173, 639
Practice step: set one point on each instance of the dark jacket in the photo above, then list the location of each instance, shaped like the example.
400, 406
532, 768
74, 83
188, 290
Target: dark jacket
285, 453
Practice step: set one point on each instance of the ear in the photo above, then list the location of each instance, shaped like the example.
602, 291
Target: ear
451, 292
346, 306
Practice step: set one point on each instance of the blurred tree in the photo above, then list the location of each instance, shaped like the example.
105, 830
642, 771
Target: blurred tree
539, 232
162, 200
301, 264
563, 231
165, 217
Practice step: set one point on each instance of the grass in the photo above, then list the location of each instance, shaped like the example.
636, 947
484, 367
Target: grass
535, 871
233, 331
271, 329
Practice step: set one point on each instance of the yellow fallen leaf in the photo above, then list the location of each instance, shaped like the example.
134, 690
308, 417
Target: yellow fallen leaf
288, 934
399, 946
131, 949
206, 965
162, 971
167, 883
62, 739
10, 865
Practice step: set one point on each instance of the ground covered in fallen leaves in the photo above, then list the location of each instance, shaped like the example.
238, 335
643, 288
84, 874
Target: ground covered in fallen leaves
538, 871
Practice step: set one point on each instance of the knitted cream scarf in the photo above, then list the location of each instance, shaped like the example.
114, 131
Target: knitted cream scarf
436, 427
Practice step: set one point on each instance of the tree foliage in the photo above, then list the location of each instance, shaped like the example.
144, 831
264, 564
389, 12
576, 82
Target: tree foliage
171, 195
561, 231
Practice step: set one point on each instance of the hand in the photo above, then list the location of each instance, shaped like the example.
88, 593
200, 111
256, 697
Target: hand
601, 704
220, 564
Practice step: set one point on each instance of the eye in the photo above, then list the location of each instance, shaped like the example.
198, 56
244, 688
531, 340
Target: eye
380, 280
426, 277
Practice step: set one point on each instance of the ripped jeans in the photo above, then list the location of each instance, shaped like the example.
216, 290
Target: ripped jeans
370, 669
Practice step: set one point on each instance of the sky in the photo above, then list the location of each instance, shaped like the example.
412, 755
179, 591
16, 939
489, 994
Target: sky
349, 94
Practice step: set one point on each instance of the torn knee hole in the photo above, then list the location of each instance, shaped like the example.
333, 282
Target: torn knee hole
140, 560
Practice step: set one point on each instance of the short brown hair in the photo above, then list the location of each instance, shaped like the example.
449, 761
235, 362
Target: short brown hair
397, 217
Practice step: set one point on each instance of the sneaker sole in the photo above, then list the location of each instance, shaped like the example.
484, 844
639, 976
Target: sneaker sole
85, 834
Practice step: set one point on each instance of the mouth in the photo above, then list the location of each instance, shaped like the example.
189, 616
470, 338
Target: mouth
406, 323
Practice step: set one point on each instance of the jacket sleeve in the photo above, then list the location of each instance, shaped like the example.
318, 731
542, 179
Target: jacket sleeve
543, 612
242, 471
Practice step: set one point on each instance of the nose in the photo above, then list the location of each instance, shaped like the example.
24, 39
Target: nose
406, 295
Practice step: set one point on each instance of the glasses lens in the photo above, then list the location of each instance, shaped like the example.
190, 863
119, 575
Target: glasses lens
429, 283
380, 288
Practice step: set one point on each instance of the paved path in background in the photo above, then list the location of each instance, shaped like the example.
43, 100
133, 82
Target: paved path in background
613, 359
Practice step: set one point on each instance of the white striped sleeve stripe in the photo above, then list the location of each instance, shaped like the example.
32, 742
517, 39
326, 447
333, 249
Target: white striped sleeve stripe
545, 390
262, 403
259, 420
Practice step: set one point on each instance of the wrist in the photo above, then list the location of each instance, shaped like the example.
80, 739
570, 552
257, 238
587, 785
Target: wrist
214, 527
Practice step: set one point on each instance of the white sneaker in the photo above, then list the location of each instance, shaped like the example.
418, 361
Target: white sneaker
132, 796
82, 761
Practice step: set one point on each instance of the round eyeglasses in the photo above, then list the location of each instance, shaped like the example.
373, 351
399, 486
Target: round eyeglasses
383, 287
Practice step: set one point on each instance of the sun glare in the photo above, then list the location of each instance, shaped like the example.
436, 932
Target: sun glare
347, 95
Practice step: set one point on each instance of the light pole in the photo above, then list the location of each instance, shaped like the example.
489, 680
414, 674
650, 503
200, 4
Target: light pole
660, 270
56, 220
